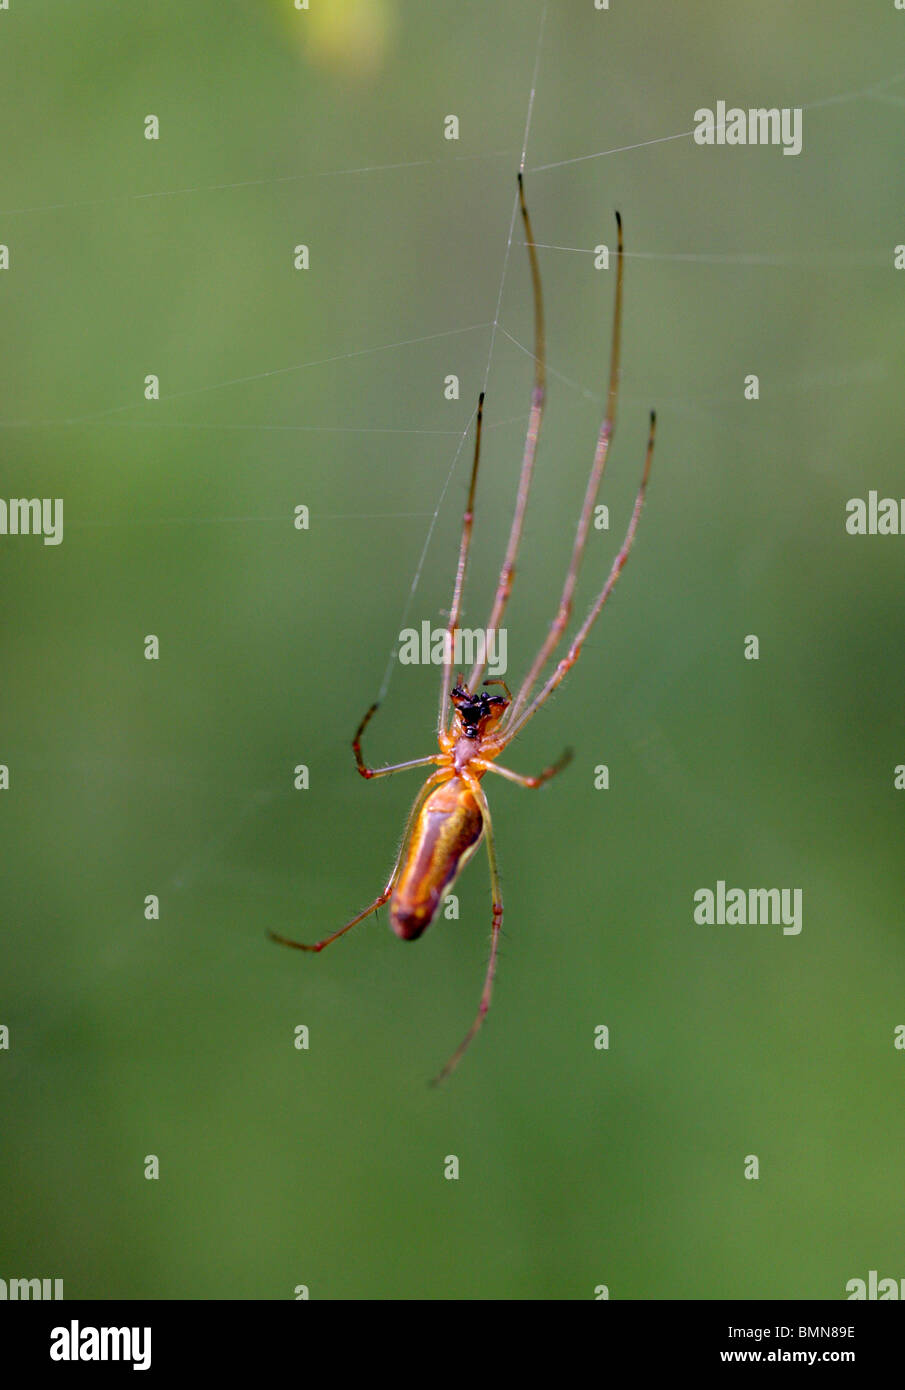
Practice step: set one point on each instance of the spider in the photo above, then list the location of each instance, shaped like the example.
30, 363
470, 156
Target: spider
451, 815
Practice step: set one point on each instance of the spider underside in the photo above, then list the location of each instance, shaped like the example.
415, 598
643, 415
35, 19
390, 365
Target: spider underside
451, 816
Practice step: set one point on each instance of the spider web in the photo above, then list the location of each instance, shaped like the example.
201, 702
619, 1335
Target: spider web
881, 92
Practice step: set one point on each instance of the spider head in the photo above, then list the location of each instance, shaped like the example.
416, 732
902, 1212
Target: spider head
478, 714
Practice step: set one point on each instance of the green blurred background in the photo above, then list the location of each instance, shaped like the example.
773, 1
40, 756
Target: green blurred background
130, 1037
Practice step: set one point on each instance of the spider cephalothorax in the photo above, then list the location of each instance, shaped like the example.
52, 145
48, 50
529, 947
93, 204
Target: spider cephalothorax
477, 712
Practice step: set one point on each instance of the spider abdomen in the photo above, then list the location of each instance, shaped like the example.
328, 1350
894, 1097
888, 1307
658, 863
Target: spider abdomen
446, 833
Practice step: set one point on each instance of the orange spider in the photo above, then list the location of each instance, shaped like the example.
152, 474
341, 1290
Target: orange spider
450, 815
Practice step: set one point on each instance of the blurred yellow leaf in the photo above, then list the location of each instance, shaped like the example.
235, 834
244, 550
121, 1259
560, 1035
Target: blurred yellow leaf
350, 38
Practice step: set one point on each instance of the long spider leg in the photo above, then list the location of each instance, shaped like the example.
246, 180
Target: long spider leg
456, 606
370, 772
538, 394
391, 767
564, 666
319, 945
477, 792
518, 777
503, 684
383, 897
564, 611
